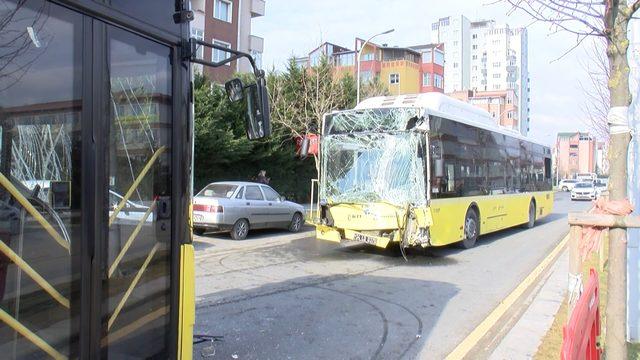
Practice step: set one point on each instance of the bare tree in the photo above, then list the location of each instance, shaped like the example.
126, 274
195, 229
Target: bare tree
18, 33
595, 88
300, 97
608, 19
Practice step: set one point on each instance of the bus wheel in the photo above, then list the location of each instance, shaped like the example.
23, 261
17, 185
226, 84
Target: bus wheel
470, 230
532, 216
240, 230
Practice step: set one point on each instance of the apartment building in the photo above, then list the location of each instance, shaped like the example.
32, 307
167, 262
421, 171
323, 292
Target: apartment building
454, 33
501, 104
404, 70
227, 23
576, 154
497, 61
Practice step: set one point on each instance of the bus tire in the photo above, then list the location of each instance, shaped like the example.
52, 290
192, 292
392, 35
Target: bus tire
240, 230
532, 216
471, 230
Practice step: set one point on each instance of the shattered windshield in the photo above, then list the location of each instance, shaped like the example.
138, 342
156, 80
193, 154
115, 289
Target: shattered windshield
372, 120
371, 167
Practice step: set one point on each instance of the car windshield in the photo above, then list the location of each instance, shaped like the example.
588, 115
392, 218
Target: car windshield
584, 185
218, 191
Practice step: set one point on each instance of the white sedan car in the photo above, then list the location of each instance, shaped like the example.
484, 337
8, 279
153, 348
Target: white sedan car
238, 207
583, 191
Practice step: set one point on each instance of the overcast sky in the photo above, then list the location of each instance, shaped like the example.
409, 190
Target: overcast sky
296, 27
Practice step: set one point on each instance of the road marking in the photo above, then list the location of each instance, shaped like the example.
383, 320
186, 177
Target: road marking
483, 328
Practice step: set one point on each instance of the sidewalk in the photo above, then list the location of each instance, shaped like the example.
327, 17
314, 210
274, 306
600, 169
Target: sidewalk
524, 338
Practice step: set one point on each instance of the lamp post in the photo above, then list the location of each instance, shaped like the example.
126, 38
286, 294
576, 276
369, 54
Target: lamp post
358, 62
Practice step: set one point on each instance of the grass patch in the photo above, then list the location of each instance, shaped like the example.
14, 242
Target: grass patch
552, 341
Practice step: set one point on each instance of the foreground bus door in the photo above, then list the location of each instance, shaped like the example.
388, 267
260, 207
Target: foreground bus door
92, 208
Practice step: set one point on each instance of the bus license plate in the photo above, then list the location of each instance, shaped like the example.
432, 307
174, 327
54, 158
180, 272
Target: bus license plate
365, 239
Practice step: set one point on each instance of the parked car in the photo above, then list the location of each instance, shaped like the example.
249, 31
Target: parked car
600, 187
238, 207
567, 184
583, 191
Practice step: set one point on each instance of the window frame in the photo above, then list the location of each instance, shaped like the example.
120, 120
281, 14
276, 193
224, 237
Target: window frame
397, 81
259, 190
214, 51
264, 189
216, 11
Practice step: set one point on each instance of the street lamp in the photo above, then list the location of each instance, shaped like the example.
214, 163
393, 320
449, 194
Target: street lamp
358, 60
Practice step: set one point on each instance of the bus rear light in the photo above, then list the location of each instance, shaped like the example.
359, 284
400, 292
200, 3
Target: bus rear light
208, 208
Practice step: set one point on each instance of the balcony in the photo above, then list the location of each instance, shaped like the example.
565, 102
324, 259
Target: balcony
257, 8
197, 5
256, 44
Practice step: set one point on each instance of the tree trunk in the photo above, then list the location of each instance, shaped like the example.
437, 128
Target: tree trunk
620, 99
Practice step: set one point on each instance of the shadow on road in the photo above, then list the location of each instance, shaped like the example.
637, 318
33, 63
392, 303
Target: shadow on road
325, 317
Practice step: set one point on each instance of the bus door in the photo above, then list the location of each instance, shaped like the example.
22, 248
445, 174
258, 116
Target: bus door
86, 189
136, 256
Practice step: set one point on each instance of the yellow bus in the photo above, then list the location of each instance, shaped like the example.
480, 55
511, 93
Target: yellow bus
426, 170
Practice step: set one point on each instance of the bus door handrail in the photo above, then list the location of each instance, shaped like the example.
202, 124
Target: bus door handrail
24, 266
136, 183
6, 183
132, 237
126, 295
30, 335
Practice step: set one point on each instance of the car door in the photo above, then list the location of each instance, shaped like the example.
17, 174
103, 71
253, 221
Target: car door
279, 212
256, 206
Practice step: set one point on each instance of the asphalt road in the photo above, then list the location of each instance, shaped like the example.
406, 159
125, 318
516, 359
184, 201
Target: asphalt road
305, 299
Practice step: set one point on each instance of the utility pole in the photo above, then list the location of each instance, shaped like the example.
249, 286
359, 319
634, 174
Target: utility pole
358, 62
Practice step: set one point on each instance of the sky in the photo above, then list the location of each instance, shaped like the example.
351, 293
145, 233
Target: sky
557, 99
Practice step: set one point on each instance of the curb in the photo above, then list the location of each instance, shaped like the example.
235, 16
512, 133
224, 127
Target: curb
476, 335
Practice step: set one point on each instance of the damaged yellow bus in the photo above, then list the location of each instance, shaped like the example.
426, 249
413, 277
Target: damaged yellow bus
426, 170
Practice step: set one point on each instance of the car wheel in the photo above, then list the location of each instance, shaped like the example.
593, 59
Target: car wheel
564, 188
471, 230
532, 216
296, 223
198, 231
240, 230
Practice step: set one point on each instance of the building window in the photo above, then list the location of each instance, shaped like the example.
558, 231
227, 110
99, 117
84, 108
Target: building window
366, 76
496, 64
346, 59
475, 57
394, 79
427, 57
438, 58
366, 57
426, 79
222, 10
220, 55
198, 34
455, 43
475, 68
496, 76
438, 81
496, 87
475, 47
455, 65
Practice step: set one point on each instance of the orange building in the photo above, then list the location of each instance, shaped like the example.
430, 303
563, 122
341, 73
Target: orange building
501, 104
576, 154
407, 70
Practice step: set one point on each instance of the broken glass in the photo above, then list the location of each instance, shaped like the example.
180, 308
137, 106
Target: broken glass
374, 167
373, 120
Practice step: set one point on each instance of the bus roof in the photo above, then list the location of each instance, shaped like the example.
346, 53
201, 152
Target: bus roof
445, 106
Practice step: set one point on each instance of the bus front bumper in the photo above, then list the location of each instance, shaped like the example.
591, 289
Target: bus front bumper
328, 233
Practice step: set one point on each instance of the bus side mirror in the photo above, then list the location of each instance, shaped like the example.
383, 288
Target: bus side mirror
304, 148
235, 90
258, 117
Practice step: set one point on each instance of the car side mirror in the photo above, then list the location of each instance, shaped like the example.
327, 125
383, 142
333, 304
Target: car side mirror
234, 89
258, 119
282, 198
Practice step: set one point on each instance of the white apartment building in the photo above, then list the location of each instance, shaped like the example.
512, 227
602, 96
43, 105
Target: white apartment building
498, 59
454, 33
